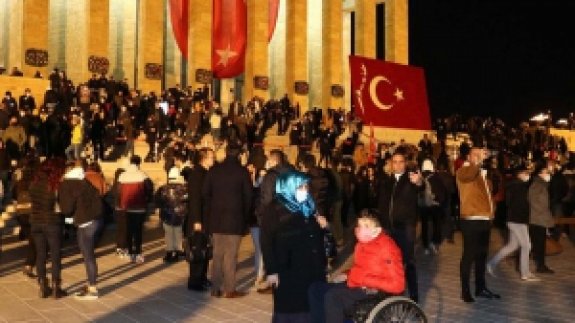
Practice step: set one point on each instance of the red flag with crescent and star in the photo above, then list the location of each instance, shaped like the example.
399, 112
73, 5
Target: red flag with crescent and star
388, 94
229, 35
179, 16
274, 8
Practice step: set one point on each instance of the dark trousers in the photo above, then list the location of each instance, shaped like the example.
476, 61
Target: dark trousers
135, 226
87, 242
538, 236
198, 273
225, 260
329, 302
121, 229
98, 145
405, 239
26, 233
48, 236
475, 248
435, 216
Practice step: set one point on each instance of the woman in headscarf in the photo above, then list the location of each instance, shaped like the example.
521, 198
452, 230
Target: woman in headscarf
292, 247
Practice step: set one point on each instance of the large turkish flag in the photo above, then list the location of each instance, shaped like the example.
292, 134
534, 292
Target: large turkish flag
388, 94
179, 16
274, 8
229, 36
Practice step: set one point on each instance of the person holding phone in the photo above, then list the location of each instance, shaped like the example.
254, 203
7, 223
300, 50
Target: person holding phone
477, 211
397, 206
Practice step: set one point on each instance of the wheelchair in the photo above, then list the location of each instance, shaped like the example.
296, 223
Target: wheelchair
382, 308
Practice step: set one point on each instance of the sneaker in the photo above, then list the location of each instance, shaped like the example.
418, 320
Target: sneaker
530, 278
139, 259
121, 253
490, 270
86, 295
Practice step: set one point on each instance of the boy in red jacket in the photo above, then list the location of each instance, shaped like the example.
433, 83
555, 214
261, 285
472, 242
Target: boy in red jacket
377, 267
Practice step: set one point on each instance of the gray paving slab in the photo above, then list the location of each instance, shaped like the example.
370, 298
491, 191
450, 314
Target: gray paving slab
156, 292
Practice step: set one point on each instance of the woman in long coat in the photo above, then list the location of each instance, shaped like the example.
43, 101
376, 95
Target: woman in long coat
292, 247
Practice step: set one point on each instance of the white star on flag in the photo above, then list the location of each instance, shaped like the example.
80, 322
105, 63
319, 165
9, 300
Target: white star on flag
225, 55
398, 94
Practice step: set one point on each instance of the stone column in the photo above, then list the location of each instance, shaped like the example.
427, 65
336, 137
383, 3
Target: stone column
365, 28
296, 50
150, 42
15, 51
35, 32
77, 34
396, 31
332, 52
99, 29
199, 40
57, 34
122, 36
257, 48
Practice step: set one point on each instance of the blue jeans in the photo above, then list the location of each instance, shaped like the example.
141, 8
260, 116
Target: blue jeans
76, 149
86, 242
258, 262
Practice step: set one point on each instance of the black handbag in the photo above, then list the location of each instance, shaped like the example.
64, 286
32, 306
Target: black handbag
329, 244
199, 248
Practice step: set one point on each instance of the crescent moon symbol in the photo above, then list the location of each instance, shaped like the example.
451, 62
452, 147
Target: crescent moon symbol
373, 93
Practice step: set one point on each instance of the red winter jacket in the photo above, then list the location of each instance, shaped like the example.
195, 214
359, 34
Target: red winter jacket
378, 264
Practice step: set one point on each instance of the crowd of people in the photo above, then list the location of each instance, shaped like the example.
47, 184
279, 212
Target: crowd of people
299, 215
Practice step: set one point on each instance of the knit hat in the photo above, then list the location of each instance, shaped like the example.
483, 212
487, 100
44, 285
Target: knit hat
427, 166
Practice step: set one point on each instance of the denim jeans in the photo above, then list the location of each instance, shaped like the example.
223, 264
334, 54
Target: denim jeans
86, 242
173, 236
518, 238
258, 261
74, 149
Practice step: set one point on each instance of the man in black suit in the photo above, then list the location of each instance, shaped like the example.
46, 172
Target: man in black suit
397, 205
197, 220
27, 101
227, 193
10, 104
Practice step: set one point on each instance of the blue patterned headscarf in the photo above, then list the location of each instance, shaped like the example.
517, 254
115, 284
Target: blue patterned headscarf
286, 185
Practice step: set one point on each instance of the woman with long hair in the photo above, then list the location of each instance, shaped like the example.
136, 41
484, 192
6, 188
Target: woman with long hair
47, 224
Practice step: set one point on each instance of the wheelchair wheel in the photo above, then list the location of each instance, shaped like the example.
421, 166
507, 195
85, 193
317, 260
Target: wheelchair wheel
396, 310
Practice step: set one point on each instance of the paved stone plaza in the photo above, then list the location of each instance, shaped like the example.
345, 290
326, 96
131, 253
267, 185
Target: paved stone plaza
156, 292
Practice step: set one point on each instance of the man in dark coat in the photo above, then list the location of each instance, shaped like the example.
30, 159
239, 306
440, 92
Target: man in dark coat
397, 205
227, 193
197, 220
27, 101
277, 164
319, 185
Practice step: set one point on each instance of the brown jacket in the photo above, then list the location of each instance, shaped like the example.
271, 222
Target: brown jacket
474, 192
97, 180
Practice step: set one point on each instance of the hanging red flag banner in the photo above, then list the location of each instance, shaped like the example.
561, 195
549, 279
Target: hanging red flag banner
229, 34
179, 16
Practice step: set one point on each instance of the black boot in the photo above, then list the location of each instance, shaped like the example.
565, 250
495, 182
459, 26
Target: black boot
28, 271
45, 290
57, 291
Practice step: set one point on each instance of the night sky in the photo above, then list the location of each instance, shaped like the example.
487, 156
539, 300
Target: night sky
504, 58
